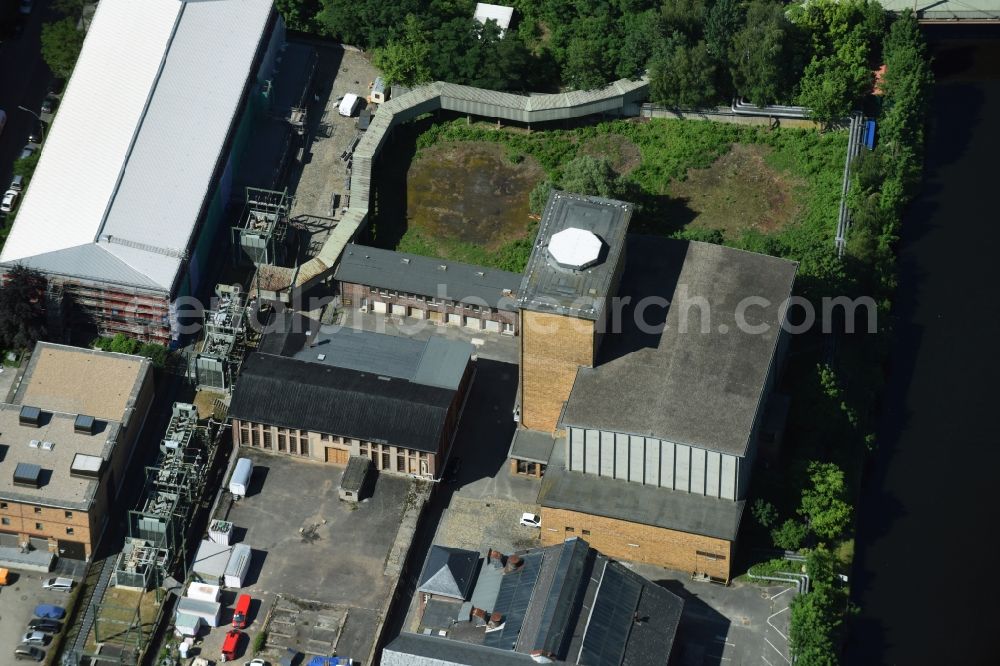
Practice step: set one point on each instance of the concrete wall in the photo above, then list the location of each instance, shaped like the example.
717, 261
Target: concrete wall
653, 462
634, 542
553, 347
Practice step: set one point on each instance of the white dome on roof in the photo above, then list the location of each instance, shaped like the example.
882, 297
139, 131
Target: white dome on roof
575, 248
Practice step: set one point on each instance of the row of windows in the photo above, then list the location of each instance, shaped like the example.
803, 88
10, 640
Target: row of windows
4, 506
431, 300
287, 441
382, 457
38, 526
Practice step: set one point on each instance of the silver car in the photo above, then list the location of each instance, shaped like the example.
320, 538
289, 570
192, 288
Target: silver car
34, 638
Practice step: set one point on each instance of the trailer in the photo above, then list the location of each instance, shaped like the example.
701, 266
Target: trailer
240, 480
208, 611
239, 564
242, 611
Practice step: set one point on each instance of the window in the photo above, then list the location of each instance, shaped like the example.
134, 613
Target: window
267, 438
586, 532
324, 437
524, 467
303, 446
282, 441
39, 527
710, 556
256, 437
3, 505
400, 463
570, 529
385, 460
38, 509
5, 521
69, 531
363, 449
68, 514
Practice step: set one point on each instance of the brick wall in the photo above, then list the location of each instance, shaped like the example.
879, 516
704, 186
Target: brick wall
56, 524
635, 542
552, 348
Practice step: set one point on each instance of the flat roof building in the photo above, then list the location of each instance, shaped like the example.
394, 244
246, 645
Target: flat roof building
65, 444
122, 210
658, 440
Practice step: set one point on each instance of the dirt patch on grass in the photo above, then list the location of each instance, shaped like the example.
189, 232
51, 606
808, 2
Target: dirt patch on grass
470, 193
740, 191
617, 149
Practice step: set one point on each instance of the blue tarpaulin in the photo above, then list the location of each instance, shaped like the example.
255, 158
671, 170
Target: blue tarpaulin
330, 661
870, 135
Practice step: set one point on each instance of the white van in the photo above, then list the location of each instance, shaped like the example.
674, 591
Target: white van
58, 584
349, 105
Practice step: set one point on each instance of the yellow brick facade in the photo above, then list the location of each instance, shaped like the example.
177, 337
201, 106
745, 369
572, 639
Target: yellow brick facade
53, 524
624, 540
553, 347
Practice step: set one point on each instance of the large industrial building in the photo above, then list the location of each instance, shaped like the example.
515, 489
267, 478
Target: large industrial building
138, 166
68, 436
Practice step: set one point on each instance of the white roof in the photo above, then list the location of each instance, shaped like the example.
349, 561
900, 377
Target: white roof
347, 104
575, 248
129, 160
499, 13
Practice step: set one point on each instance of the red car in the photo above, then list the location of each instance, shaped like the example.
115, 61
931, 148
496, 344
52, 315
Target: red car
242, 611
230, 645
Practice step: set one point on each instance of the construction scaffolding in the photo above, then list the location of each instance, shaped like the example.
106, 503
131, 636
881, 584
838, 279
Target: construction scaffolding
263, 227
218, 362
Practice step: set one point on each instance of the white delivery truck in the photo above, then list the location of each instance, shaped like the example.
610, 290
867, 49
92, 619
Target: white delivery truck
240, 480
349, 105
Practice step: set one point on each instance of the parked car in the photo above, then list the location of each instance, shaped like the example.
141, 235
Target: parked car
17, 183
28, 653
59, 584
46, 625
255, 662
531, 520
35, 638
9, 201
50, 103
36, 132
28, 151
50, 611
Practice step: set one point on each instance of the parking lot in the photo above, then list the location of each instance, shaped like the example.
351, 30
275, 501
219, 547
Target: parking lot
739, 624
17, 604
318, 561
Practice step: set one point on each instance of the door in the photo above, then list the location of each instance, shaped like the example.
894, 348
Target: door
337, 456
74, 550
379, 306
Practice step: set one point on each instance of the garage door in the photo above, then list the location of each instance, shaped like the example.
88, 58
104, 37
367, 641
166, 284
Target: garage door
417, 313
72, 549
455, 319
399, 310
473, 322
435, 316
378, 306
493, 326
337, 456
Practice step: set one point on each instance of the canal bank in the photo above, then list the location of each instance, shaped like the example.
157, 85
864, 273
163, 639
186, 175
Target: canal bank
925, 574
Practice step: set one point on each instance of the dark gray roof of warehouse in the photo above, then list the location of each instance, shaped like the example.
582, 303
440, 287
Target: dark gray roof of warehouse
637, 503
437, 361
414, 274
547, 287
290, 393
688, 387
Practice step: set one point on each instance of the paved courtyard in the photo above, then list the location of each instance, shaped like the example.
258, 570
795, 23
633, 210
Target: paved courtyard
739, 624
319, 561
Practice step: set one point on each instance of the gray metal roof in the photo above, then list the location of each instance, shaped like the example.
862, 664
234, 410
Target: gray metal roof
634, 502
356, 472
437, 362
449, 572
548, 287
687, 386
531, 445
418, 650
427, 276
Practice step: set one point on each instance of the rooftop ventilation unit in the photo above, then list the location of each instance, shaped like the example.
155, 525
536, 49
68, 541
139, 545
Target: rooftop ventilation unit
84, 424
30, 416
47, 446
33, 444
28, 475
87, 467
321, 357
575, 248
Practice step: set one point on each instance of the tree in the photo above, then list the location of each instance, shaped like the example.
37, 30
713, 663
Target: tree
298, 14
590, 175
831, 87
22, 308
725, 19
640, 34
790, 534
764, 512
758, 63
824, 502
539, 196
586, 63
817, 618
366, 23
61, 44
683, 76
404, 61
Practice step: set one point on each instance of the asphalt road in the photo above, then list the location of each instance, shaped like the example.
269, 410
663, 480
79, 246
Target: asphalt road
24, 78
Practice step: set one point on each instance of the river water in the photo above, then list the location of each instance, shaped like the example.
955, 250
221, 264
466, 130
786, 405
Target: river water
926, 576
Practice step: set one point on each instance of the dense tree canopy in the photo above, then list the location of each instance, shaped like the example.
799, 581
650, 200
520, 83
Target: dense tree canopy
825, 502
22, 308
61, 44
758, 54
